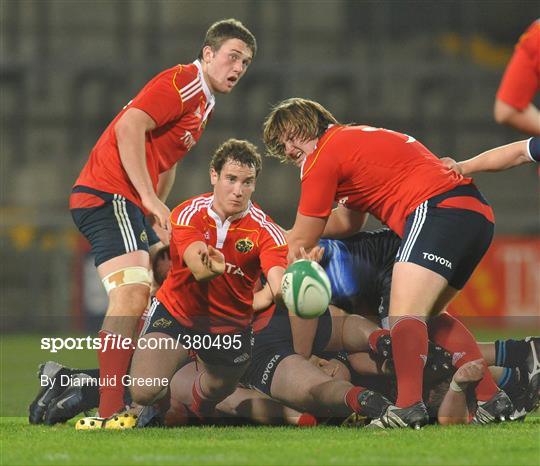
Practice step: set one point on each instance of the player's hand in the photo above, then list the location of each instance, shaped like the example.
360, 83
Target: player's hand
317, 361
163, 235
213, 260
331, 367
315, 254
160, 212
451, 164
472, 371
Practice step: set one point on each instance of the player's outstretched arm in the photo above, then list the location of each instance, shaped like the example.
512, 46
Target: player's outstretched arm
273, 280
205, 262
500, 158
504, 157
305, 233
303, 334
263, 298
271, 292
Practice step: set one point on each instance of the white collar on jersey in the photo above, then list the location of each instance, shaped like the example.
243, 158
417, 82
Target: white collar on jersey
207, 92
223, 227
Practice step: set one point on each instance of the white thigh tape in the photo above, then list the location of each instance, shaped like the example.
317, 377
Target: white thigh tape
127, 276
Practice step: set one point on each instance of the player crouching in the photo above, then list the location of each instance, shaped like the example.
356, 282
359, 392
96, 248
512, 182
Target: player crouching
220, 243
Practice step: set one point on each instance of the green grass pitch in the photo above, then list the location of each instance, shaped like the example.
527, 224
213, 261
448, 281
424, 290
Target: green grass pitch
23, 444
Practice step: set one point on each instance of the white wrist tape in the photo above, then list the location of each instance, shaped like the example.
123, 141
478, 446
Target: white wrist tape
455, 387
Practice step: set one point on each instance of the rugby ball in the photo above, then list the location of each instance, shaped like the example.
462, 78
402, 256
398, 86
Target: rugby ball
306, 289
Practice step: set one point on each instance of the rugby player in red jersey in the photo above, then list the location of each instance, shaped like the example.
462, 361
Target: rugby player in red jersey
445, 224
129, 175
220, 244
521, 81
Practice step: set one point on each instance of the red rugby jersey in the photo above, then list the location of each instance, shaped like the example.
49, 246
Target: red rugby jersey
251, 243
180, 102
521, 79
375, 170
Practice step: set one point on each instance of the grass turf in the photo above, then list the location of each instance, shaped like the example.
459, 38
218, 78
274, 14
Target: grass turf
503, 444
22, 444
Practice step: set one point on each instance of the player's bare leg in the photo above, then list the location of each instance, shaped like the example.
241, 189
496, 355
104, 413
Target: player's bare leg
127, 281
300, 384
213, 384
250, 404
161, 363
243, 402
128, 298
350, 332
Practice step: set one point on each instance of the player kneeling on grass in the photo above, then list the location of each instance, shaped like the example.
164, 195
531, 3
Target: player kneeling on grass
220, 243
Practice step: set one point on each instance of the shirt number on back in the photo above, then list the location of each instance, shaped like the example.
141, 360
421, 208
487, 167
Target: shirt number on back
371, 129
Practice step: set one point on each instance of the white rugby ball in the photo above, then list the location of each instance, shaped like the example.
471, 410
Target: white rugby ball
306, 289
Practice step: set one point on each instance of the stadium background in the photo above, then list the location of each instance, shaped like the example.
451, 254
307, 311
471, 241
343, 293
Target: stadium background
430, 69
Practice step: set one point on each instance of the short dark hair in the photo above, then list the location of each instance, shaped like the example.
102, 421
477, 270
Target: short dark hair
239, 151
294, 118
227, 29
163, 254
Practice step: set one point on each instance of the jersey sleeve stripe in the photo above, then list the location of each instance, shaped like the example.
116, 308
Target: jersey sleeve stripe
191, 93
196, 81
192, 90
279, 237
274, 231
186, 214
201, 206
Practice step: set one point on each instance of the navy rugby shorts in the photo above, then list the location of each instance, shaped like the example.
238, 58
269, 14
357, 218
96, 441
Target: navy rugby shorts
274, 343
209, 346
113, 226
449, 240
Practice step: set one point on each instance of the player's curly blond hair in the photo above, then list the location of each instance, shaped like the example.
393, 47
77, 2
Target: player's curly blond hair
294, 118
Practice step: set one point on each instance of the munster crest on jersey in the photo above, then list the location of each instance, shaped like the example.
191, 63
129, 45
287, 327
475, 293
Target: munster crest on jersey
244, 245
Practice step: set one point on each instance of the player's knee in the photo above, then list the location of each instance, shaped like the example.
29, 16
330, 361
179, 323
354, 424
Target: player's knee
129, 300
326, 390
220, 388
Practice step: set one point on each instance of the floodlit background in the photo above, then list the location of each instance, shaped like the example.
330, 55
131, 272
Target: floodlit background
427, 68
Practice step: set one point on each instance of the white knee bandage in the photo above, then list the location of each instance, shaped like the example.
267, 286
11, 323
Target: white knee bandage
127, 276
